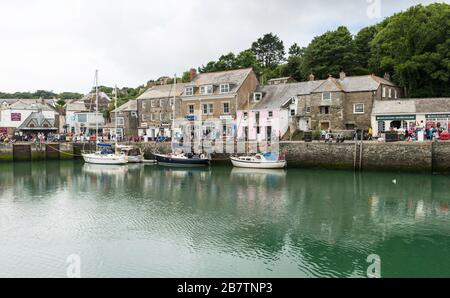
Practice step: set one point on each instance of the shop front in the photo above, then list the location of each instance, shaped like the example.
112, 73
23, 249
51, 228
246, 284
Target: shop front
386, 123
439, 121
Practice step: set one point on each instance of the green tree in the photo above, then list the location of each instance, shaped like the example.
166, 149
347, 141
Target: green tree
363, 49
415, 47
269, 50
330, 53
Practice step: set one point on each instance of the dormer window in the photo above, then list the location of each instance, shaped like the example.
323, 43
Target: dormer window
189, 91
206, 89
326, 96
224, 88
257, 96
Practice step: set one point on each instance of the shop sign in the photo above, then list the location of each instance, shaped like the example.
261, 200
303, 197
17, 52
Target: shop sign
191, 118
16, 117
226, 117
437, 116
396, 117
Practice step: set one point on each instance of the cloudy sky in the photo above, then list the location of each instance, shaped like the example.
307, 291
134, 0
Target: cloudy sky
57, 45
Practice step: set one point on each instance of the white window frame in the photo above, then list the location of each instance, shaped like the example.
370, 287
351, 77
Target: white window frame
144, 105
120, 121
152, 117
161, 117
223, 107
206, 89
324, 109
222, 88
390, 92
153, 103
363, 108
189, 91
144, 117
384, 92
293, 113
326, 99
308, 110
210, 109
189, 109
161, 103
270, 114
205, 109
395, 94
257, 94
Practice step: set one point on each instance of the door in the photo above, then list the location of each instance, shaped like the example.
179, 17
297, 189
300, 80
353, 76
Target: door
303, 124
269, 133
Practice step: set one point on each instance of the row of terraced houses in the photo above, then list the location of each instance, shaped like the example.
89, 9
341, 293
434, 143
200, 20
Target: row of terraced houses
245, 109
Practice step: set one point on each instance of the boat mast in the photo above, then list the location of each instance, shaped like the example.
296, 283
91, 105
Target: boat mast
115, 108
248, 125
96, 106
173, 108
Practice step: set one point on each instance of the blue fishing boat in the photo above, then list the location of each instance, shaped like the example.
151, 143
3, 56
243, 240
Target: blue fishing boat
182, 160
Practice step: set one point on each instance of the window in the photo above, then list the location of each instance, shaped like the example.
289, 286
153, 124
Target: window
308, 110
211, 108
384, 92
82, 118
171, 102
270, 114
245, 115
191, 109
258, 129
293, 112
153, 103
390, 93
152, 117
395, 94
161, 116
161, 103
224, 88
405, 125
208, 109
206, 89
325, 110
358, 108
144, 105
144, 117
226, 107
189, 91
120, 121
326, 96
257, 96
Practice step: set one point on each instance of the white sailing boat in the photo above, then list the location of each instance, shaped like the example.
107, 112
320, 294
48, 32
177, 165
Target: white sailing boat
106, 155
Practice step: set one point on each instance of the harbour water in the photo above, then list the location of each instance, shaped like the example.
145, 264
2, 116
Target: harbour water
149, 221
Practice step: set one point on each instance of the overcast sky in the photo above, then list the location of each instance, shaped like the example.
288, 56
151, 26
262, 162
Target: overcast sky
57, 45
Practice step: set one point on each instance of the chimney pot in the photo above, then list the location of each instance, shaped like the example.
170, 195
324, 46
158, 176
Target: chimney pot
312, 77
387, 76
193, 73
342, 75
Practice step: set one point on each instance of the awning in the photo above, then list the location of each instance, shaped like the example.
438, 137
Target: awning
396, 117
437, 116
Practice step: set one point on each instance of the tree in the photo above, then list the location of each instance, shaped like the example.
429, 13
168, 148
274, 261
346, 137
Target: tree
269, 50
363, 49
186, 78
330, 53
247, 59
295, 50
415, 47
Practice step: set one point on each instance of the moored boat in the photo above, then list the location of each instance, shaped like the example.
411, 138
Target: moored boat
182, 160
259, 161
134, 155
106, 156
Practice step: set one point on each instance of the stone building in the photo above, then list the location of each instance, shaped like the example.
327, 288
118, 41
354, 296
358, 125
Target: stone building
156, 110
343, 103
127, 121
213, 99
405, 114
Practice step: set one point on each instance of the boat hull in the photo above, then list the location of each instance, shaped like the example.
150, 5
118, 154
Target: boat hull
279, 164
135, 159
166, 160
107, 159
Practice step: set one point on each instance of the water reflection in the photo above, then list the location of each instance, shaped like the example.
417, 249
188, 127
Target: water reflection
222, 221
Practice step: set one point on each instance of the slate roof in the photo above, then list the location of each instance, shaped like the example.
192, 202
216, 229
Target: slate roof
39, 119
26, 103
162, 91
412, 106
77, 106
275, 96
130, 106
233, 77
353, 84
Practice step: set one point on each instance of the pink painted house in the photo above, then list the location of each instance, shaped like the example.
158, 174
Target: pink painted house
268, 116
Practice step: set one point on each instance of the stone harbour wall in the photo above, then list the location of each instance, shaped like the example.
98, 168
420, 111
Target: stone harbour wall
431, 157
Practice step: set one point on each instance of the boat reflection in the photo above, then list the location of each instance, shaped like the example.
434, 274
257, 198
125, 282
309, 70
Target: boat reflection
97, 169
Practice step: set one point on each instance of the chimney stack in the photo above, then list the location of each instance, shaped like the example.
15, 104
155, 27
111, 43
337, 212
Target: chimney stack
193, 73
312, 77
387, 76
342, 75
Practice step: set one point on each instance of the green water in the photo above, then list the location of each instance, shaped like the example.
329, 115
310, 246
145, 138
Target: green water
147, 221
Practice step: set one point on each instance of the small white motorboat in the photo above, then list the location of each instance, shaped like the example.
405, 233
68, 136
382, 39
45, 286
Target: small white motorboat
135, 155
106, 156
259, 161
